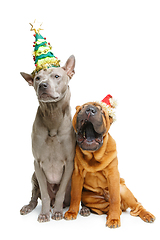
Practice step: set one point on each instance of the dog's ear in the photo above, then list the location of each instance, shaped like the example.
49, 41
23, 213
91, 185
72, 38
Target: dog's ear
74, 120
78, 108
69, 66
111, 120
28, 78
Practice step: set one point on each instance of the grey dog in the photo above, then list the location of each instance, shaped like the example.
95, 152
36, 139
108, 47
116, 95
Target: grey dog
53, 141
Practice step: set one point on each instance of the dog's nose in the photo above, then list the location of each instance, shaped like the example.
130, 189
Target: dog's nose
43, 85
91, 111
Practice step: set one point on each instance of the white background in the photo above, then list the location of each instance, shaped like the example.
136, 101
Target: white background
117, 50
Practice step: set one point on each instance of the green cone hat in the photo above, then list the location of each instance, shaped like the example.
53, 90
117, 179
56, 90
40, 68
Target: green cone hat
42, 55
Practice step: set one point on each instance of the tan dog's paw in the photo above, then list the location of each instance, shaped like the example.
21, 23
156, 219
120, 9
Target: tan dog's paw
43, 217
70, 215
113, 223
147, 216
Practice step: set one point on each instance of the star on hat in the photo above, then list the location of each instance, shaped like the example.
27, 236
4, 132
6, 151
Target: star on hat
36, 26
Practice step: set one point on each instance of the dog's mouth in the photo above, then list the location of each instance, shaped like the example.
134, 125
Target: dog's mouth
88, 138
45, 97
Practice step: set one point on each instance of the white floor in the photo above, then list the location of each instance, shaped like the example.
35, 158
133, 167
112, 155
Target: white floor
92, 227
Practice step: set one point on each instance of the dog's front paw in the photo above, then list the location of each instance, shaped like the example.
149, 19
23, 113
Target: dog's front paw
70, 215
57, 216
113, 223
85, 212
44, 217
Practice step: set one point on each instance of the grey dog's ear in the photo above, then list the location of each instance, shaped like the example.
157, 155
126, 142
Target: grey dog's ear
69, 66
28, 78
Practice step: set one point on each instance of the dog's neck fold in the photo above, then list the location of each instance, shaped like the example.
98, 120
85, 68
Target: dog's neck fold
97, 155
52, 113
99, 159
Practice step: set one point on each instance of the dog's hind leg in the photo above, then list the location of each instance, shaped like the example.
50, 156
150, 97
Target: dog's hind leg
95, 202
128, 200
85, 211
34, 199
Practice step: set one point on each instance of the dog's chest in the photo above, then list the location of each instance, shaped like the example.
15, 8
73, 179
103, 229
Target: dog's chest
50, 145
51, 157
95, 180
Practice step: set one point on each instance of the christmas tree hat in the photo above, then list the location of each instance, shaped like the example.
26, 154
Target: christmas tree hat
42, 54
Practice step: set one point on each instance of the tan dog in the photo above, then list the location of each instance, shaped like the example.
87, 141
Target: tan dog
95, 180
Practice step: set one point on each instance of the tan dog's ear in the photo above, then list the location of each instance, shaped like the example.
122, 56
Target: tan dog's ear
69, 66
74, 121
111, 120
108, 119
78, 108
28, 78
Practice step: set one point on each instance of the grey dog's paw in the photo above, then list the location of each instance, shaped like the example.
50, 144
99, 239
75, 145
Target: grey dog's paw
44, 217
57, 216
85, 212
26, 209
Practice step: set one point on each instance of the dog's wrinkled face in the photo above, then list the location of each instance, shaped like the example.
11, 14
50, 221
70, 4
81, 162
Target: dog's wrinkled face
90, 126
51, 84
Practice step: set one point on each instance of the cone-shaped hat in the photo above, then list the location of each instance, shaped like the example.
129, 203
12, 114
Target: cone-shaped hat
42, 55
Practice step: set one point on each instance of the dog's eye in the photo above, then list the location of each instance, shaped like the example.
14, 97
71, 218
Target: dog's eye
37, 78
56, 76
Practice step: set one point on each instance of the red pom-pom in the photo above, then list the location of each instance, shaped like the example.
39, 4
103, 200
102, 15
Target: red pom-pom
49, 43
36, 65
33, 45
34, 35
44, 38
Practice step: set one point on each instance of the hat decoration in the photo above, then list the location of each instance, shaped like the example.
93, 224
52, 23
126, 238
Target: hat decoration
42, 55
109, 103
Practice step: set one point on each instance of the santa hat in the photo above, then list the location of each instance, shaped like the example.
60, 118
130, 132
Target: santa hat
109, 103
42, 55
